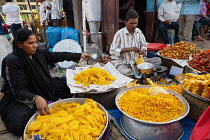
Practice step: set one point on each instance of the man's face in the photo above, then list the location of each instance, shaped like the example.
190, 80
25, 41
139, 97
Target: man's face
131, 24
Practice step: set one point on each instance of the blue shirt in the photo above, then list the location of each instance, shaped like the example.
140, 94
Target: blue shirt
190, 7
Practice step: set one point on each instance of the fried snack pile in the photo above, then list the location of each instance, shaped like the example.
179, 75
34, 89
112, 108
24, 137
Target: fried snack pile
95, 76
197, 84
173, 86
201, 62
70, 121
139, 104
180, 50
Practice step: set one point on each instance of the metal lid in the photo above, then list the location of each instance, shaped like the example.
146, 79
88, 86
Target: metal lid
67, 45
145, 65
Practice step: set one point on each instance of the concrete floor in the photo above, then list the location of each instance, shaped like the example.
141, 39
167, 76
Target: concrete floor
9, 136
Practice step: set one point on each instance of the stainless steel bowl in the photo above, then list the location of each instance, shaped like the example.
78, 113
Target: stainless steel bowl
139, 129
145, 68
78, 100
193, 94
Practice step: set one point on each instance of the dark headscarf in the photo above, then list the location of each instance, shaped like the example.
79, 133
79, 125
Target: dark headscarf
35, 67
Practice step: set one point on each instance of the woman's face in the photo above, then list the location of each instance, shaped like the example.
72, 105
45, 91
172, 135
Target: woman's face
29, 46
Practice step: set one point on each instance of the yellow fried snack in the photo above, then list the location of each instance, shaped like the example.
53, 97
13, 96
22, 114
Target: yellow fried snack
139, 104
95, 76
197, 84
70, 121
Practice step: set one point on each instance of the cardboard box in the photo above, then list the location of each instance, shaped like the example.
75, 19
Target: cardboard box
197, 106
169, 63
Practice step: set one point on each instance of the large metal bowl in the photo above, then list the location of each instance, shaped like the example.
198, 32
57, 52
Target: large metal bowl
139, 129
193, 94
78, 100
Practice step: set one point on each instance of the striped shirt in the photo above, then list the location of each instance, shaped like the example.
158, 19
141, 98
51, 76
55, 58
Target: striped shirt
123, 39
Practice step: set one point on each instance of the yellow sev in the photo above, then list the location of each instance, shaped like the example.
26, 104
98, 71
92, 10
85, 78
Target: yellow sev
139, 104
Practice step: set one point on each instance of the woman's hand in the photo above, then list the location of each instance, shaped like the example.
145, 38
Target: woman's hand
41, 105
85, 56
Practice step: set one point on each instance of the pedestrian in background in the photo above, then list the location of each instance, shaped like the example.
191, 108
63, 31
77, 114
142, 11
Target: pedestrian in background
44, 11
56, 13
168, 14
93, 14
190, 8
68, 9
13, 17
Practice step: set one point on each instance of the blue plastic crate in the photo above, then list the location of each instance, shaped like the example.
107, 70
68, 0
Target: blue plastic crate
151, 54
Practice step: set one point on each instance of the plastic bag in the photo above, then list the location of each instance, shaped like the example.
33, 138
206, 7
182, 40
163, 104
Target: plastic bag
53, 35
201, 130
70, 33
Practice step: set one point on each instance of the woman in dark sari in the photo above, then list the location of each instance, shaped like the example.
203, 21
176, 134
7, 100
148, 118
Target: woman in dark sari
28, 83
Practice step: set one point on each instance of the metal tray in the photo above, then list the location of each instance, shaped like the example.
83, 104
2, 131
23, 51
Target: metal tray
180, 97
79, 100
158, 53
193, 94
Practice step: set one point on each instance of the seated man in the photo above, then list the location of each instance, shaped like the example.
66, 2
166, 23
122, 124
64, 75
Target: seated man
203, 17
168, 14
196, 32
128, 43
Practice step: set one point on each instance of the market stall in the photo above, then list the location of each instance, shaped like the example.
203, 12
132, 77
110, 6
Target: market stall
135, 111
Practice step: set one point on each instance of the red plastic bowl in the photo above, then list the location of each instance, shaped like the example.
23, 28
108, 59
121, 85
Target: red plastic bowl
155, 46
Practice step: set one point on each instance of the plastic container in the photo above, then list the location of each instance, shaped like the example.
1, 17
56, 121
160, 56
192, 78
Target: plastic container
155, 46
53, 35
97, 39
171, 36
70, 33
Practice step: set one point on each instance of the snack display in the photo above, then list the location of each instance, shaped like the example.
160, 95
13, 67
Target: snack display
197, 84
201, 62
150, 108
180, 50
95, 76
173, 86
70, 121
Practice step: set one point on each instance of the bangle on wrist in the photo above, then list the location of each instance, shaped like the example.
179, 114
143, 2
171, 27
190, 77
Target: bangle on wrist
35, 97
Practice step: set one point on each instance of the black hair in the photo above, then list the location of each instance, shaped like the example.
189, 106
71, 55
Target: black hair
131, 14
8, 0
22, 35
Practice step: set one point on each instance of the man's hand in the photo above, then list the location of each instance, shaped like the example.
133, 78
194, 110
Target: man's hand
143, 52
41, 105
44, 22
133, 49
85, 56
167, 21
